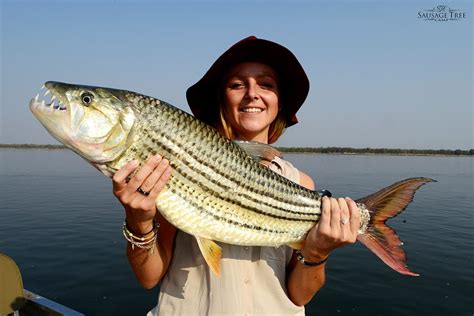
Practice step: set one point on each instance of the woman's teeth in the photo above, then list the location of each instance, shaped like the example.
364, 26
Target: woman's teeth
251, 110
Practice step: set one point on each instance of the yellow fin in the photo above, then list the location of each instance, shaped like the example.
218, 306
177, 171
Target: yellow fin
212, 253
297, 245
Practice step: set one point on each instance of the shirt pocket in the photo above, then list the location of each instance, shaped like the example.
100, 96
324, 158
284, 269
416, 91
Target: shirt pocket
277, 259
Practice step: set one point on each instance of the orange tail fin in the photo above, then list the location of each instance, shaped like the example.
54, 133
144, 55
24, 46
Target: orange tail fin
383, 205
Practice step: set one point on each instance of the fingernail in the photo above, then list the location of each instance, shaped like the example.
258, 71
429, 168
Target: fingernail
134, 163
157, 158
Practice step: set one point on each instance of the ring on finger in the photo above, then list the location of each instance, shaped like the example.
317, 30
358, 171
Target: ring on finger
344, 220
143, 192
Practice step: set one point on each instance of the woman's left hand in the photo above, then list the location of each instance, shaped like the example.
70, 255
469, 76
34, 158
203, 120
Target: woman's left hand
338, 226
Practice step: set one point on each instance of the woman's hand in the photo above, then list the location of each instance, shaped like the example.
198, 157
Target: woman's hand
338, 226
140, 208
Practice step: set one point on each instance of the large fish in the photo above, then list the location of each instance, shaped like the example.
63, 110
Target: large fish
217, 190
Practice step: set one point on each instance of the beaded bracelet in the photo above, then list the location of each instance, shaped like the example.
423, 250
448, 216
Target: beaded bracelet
141, 237
145, 241
302, 260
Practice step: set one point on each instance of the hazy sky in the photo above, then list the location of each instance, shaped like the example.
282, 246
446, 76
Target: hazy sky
380, 76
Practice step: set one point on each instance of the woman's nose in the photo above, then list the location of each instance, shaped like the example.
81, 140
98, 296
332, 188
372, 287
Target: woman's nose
252, 90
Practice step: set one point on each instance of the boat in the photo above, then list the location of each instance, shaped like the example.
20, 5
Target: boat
17, 301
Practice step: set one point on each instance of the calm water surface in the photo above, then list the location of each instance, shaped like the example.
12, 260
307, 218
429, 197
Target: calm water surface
62, 225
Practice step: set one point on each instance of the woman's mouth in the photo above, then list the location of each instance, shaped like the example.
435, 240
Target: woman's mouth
251, 110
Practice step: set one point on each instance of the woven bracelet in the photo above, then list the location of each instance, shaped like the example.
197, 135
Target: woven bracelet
302, 260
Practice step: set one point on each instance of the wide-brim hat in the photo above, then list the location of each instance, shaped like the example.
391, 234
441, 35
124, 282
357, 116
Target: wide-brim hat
293, 83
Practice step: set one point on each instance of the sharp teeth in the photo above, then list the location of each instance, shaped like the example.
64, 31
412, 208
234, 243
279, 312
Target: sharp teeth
53, 97
43, 103
43, 87
46, 93
37, 96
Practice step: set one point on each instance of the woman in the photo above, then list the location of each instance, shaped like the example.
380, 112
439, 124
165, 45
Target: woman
252, 92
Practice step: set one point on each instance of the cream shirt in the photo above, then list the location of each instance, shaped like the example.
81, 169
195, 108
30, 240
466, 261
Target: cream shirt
252, 282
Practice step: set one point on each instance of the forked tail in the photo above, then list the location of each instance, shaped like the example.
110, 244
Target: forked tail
383, 205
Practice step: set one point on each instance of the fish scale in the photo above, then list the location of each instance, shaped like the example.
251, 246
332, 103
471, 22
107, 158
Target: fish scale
216, 190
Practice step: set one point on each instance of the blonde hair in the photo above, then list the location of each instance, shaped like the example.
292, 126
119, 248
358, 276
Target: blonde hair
276, 129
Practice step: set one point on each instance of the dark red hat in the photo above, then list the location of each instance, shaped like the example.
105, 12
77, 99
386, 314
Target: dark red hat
294, 84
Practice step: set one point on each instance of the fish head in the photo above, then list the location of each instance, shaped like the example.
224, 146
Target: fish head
94, 122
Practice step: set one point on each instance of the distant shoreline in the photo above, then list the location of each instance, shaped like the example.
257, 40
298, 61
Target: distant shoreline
377, 151
311, 150
33, 146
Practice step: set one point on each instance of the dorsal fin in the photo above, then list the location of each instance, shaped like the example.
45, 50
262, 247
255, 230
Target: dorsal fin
259, 151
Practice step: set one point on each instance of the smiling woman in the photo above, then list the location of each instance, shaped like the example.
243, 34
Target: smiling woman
251, 98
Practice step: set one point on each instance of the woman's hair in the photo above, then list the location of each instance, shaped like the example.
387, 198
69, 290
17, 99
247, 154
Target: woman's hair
274, 132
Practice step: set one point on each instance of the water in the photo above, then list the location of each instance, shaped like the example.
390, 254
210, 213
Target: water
62, 225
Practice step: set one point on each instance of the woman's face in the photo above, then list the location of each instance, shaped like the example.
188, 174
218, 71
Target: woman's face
251, 100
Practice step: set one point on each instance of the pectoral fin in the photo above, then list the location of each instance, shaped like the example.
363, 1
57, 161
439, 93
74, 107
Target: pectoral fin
262, 153
211, 252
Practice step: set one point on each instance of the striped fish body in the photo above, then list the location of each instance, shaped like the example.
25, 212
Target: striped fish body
217, 191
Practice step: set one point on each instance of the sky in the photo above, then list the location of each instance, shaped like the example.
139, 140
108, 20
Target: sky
380, 75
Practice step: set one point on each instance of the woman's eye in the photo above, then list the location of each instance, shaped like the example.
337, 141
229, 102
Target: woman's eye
87, 98
267, 85
235, 85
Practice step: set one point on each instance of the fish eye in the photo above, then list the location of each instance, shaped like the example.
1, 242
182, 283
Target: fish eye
87, 98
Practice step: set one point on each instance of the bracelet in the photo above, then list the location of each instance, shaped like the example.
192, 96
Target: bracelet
142, 237
301, 259
146, 241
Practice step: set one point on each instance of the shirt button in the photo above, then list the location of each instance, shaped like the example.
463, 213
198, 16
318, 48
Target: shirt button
246, 248
247, 280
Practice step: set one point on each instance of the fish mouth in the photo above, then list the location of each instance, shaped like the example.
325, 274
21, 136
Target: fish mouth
55, 103
53, 111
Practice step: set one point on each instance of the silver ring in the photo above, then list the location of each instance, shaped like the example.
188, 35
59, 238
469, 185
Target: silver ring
344, 221
141, 191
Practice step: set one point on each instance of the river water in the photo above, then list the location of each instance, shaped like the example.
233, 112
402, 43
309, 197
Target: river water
62, 225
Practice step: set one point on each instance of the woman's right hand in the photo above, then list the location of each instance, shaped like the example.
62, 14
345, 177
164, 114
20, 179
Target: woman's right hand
141, 209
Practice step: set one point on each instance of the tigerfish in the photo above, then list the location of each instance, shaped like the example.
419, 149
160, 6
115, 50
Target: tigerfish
217, 191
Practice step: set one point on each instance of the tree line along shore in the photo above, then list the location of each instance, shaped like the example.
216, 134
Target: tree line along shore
312, 150
378, 151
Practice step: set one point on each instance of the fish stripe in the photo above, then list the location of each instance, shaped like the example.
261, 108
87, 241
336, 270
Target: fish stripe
243, 195
222, 174
249, 208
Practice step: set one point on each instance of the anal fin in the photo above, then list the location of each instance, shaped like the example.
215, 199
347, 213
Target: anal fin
212, 253
297, 245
